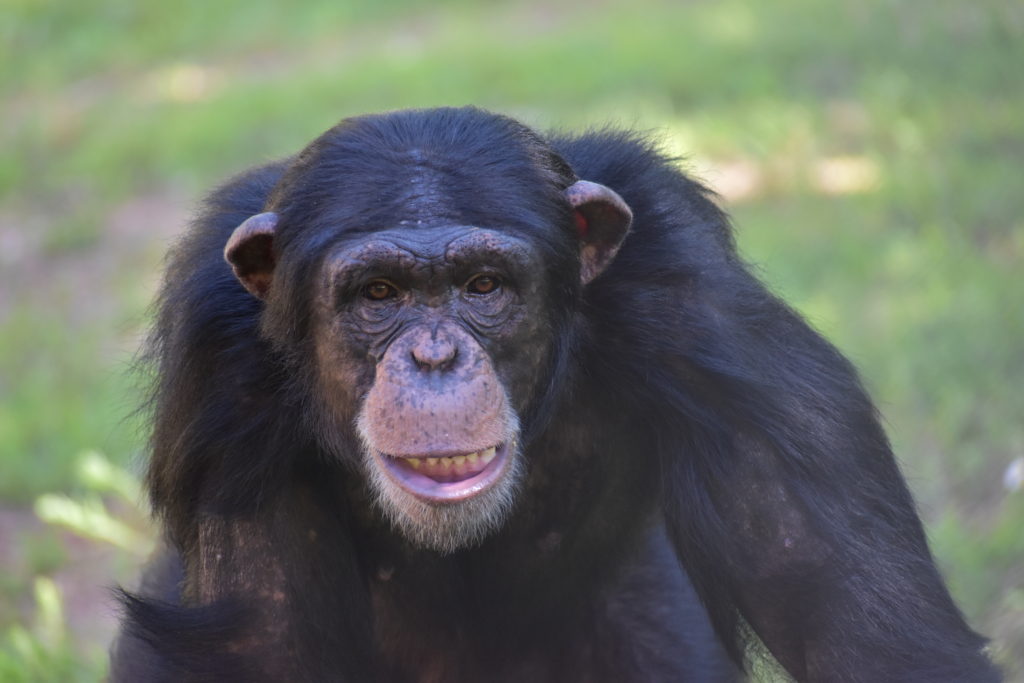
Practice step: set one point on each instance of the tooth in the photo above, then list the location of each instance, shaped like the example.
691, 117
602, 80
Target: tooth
487, 455
446, 462
415, 462
432, 462
472, 458
459, 459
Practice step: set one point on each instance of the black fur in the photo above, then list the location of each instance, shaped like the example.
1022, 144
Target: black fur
691, 419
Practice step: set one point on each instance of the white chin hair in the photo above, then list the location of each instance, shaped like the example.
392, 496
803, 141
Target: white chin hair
446, 527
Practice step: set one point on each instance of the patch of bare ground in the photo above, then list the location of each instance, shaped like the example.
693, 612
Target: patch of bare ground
85, 578
85, 282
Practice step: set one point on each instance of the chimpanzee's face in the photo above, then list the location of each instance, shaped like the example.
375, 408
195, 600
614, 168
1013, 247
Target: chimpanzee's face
437, 337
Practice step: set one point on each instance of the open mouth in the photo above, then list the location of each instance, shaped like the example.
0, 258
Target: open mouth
447, 478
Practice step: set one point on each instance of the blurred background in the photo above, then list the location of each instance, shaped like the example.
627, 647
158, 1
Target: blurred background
871, 153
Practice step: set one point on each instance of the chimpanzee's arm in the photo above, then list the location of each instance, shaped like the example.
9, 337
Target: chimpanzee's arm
786, 505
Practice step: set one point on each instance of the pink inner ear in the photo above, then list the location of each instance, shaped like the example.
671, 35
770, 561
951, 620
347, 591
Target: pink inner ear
582, 227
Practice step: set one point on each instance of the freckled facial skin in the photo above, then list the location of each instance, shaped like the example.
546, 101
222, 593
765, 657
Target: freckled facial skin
415, 410
431, 333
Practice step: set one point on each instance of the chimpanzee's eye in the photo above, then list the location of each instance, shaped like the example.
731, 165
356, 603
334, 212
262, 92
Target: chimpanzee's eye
483, 284
378, 290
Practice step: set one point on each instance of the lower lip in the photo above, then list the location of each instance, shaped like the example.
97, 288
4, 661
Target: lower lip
432, 491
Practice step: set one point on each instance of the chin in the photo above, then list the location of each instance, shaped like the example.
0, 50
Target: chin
446, 503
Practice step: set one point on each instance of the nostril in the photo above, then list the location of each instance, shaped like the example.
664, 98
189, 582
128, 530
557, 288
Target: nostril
434, 355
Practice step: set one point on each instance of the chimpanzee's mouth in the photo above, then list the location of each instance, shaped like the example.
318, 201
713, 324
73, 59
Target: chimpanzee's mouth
447, 478
447, 469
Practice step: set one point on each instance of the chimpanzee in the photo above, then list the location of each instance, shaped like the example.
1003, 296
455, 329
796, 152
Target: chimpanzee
441, 399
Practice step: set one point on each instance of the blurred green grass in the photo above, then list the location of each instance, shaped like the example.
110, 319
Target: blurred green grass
869, 151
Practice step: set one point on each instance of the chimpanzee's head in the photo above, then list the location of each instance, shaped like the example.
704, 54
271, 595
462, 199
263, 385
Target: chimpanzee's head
418, 273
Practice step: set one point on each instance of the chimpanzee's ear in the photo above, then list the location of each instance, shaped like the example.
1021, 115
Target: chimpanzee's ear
602, 221
250, 251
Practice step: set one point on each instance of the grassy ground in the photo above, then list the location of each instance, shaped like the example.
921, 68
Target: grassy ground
870, 152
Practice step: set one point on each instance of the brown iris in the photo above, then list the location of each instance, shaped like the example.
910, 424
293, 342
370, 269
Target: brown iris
378, 290
483, 284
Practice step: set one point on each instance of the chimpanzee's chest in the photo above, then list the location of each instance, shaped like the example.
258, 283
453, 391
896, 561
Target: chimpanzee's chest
640, 622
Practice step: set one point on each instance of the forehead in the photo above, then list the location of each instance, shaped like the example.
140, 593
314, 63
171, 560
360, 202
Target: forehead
410, 247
